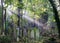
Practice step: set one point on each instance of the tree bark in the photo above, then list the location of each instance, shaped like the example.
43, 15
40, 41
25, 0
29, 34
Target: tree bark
6, 31
56, 15
2, 30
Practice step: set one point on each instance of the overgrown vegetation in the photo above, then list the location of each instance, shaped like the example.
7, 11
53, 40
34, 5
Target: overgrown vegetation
26, 20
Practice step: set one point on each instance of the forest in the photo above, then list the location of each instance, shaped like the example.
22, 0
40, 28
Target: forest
29, 21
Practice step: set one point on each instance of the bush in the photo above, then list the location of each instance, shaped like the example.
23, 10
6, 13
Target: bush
5, 39
50, 40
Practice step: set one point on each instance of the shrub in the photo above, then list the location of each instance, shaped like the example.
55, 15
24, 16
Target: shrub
5, 39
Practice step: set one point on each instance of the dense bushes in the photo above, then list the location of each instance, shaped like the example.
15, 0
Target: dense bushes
5, 39
51, 40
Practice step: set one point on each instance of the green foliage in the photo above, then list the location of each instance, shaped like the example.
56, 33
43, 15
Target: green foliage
35, 9
8, 2
20, 5
15, 3
5, 39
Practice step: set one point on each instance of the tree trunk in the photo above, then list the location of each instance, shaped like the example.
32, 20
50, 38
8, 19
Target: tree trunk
6, 31
2, 31
19, 21
56, 15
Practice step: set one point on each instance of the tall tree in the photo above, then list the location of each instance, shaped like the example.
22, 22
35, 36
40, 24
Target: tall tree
20, 5
2, 17
56, 15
